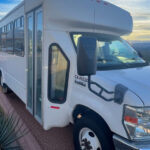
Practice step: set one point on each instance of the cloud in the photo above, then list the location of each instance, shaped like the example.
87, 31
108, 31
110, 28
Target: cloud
130, 4
15, 1
142, 27
3, 13
142, 16
140, 11
139, 35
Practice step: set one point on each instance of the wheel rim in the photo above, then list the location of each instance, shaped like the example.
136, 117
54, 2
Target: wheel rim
88, 140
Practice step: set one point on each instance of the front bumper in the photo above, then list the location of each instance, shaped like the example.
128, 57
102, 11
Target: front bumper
124, 144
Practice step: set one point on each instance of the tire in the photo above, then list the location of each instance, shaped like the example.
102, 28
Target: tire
5, 89
99, 132
0, 80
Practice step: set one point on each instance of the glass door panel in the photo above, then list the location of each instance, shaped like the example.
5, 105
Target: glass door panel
38, 62
30, 62
34, 63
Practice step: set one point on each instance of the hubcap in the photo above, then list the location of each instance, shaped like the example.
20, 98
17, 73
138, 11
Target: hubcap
88, 140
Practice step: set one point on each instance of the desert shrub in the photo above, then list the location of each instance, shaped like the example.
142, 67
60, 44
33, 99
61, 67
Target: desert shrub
11, 129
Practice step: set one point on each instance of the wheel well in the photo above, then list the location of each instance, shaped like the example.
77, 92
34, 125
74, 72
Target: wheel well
82, 111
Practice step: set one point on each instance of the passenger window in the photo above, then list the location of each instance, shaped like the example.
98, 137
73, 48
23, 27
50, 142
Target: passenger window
3, 38
9, 39
19, 37
58, 75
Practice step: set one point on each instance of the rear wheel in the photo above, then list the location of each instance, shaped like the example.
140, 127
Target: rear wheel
0, 78
0, 81
88, 135
5, 89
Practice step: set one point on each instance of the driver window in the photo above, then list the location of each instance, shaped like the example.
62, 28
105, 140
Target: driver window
58, 75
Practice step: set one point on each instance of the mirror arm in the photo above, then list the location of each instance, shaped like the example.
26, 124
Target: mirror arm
102, 89
89, 82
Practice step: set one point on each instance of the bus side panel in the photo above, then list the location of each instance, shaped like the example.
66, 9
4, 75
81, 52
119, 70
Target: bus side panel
12, 63
3, 67
16, 75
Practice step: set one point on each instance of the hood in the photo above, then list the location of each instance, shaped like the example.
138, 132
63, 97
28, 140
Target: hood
135, 79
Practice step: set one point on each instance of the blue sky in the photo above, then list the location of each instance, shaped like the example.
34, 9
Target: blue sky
139, 9
7, 5
9, 1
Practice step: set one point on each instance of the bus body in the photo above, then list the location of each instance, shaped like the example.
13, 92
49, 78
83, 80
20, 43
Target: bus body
40, 43
16, 57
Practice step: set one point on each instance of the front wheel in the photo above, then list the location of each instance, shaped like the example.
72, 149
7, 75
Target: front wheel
88, 135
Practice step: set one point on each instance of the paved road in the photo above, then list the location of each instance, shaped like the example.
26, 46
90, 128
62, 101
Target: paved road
54, 139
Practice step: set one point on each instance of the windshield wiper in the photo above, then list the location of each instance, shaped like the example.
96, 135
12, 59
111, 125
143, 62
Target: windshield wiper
131, 58
130, 65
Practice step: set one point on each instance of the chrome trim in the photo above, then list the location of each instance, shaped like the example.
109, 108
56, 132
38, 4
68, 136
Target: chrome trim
124, 144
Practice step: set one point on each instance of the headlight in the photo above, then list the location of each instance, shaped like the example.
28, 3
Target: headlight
137, 122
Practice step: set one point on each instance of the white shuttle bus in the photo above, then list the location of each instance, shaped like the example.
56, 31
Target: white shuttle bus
66, 60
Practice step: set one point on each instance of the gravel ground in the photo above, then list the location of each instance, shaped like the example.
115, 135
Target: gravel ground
54, 139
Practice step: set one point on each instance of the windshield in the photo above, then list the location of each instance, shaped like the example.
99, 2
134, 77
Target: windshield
112, 52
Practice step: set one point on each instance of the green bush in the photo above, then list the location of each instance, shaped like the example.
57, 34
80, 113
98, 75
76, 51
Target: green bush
11, 129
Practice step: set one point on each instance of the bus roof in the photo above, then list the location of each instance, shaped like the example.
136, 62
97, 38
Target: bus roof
86, 15
77, 15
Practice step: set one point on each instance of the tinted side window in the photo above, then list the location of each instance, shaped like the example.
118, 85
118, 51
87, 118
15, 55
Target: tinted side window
3, 39
58, 75
9, 41
19, 37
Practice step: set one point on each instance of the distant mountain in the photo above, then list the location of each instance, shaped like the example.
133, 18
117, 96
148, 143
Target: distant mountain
139, 45
143, 48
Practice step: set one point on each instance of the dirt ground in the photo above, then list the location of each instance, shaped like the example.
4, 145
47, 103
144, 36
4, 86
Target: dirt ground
38, 139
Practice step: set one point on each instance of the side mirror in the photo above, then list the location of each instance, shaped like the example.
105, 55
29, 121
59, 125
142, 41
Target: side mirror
86, 56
